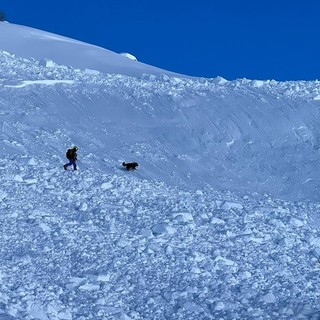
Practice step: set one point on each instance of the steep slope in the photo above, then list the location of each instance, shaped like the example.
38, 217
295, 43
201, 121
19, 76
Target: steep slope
242, 135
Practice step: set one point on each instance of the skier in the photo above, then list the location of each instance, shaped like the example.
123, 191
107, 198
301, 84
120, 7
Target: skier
72, 157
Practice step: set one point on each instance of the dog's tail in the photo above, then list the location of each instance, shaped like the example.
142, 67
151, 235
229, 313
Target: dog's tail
124, 164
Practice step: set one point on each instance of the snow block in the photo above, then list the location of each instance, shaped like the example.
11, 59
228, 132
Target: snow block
162, 228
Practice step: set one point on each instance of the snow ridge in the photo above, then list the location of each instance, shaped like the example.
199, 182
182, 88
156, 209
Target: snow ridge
34, 70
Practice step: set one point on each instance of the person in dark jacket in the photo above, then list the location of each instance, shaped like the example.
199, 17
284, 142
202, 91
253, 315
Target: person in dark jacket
72, 157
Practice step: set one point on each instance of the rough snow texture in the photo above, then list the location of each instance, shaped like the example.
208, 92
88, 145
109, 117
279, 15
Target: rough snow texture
91, 245
220, 221
192, 132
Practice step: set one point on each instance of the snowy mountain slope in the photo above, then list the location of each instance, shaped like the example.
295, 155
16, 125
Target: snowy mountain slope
241, 135
192, 234
28, 42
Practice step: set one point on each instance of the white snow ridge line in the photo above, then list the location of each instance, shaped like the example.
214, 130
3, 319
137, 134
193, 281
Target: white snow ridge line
39, 82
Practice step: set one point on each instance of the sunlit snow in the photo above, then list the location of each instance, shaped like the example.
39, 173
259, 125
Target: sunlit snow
219, 221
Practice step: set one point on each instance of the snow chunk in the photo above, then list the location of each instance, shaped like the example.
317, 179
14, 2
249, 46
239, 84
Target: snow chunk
245, 275
315, 242
226, 261
269, 298
18, 178
296, 222
163, 228
44, 227
112, 310
217, 221
89, 287
191, 306
76, 281
47, 63
106, 186
230, 143
226, 205
129, 56
104, 277
31, 181
219, 306
221, 80
32, 162
36, 312
147, 233
257, 83
83, 207
65, 315
184, 217
2, 195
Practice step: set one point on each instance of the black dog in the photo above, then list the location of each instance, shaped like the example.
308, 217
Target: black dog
130, 165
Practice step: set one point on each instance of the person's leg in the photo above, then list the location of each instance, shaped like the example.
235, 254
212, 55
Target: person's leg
67, 165
74, 163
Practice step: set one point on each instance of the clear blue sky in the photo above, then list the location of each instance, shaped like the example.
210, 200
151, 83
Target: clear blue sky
261, 39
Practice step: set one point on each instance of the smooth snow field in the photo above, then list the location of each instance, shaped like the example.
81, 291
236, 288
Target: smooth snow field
219, 221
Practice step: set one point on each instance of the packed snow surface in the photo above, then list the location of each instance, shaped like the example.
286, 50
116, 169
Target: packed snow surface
220, 221
32, 43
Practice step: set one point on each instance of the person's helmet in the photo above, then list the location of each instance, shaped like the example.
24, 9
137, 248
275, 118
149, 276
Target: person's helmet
75, 148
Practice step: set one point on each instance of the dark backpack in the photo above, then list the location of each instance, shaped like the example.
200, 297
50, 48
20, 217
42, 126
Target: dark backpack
69, 154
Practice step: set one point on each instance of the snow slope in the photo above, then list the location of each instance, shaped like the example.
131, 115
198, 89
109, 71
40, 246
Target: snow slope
220, 221
33, 43
240, 135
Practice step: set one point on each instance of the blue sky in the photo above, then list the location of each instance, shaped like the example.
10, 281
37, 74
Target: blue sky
275, 39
